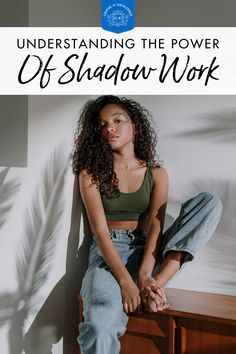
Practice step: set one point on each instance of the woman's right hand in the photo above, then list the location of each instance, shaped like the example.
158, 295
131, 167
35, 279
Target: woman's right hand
130, 296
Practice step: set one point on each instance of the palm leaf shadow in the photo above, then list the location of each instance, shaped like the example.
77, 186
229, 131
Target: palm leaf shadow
220, 127
50, 325
42, 222
7, 304
7, 191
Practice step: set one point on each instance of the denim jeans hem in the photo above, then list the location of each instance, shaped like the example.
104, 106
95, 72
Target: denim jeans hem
189, 257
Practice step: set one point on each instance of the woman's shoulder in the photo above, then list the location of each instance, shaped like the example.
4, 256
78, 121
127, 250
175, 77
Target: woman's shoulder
84, 173
88, 185
159, 173
85, 178
156, 167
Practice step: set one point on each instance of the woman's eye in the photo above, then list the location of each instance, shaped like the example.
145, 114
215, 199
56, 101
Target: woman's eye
117, 121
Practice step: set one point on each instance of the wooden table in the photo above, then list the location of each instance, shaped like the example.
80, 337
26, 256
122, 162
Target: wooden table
196, 323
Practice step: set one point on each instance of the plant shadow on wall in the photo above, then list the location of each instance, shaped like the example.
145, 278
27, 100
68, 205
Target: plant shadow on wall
8, 190
42, 222
220, 127
58, 317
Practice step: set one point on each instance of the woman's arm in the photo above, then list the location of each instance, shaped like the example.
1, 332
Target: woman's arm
155, 223
95, 212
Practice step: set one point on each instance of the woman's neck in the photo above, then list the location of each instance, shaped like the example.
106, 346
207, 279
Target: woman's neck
124, 159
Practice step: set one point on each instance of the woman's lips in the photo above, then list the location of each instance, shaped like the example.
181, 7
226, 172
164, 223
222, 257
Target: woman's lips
112, 138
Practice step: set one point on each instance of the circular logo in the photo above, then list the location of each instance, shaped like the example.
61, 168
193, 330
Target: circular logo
118, 16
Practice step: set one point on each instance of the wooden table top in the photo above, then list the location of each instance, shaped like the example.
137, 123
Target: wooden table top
197, 304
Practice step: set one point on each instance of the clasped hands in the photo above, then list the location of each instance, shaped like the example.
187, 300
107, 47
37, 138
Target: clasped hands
147, 292
152, 295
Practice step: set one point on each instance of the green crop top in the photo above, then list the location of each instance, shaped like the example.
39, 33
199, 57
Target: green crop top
130, 206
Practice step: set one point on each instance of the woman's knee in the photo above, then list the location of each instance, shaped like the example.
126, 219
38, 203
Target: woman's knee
204, 199
212, 200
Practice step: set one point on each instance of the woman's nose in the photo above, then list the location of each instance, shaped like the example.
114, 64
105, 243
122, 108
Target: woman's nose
110, 127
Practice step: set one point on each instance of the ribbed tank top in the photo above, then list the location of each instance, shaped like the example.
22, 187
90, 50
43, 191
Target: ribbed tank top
130, 206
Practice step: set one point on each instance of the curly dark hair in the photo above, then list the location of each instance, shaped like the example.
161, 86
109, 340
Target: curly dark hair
92, 153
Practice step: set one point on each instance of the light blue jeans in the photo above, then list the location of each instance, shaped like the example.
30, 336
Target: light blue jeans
104, 317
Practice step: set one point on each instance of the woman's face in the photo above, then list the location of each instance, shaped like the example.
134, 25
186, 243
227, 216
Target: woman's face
116, 126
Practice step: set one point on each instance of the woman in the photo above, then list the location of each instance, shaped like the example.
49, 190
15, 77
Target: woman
124, 190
